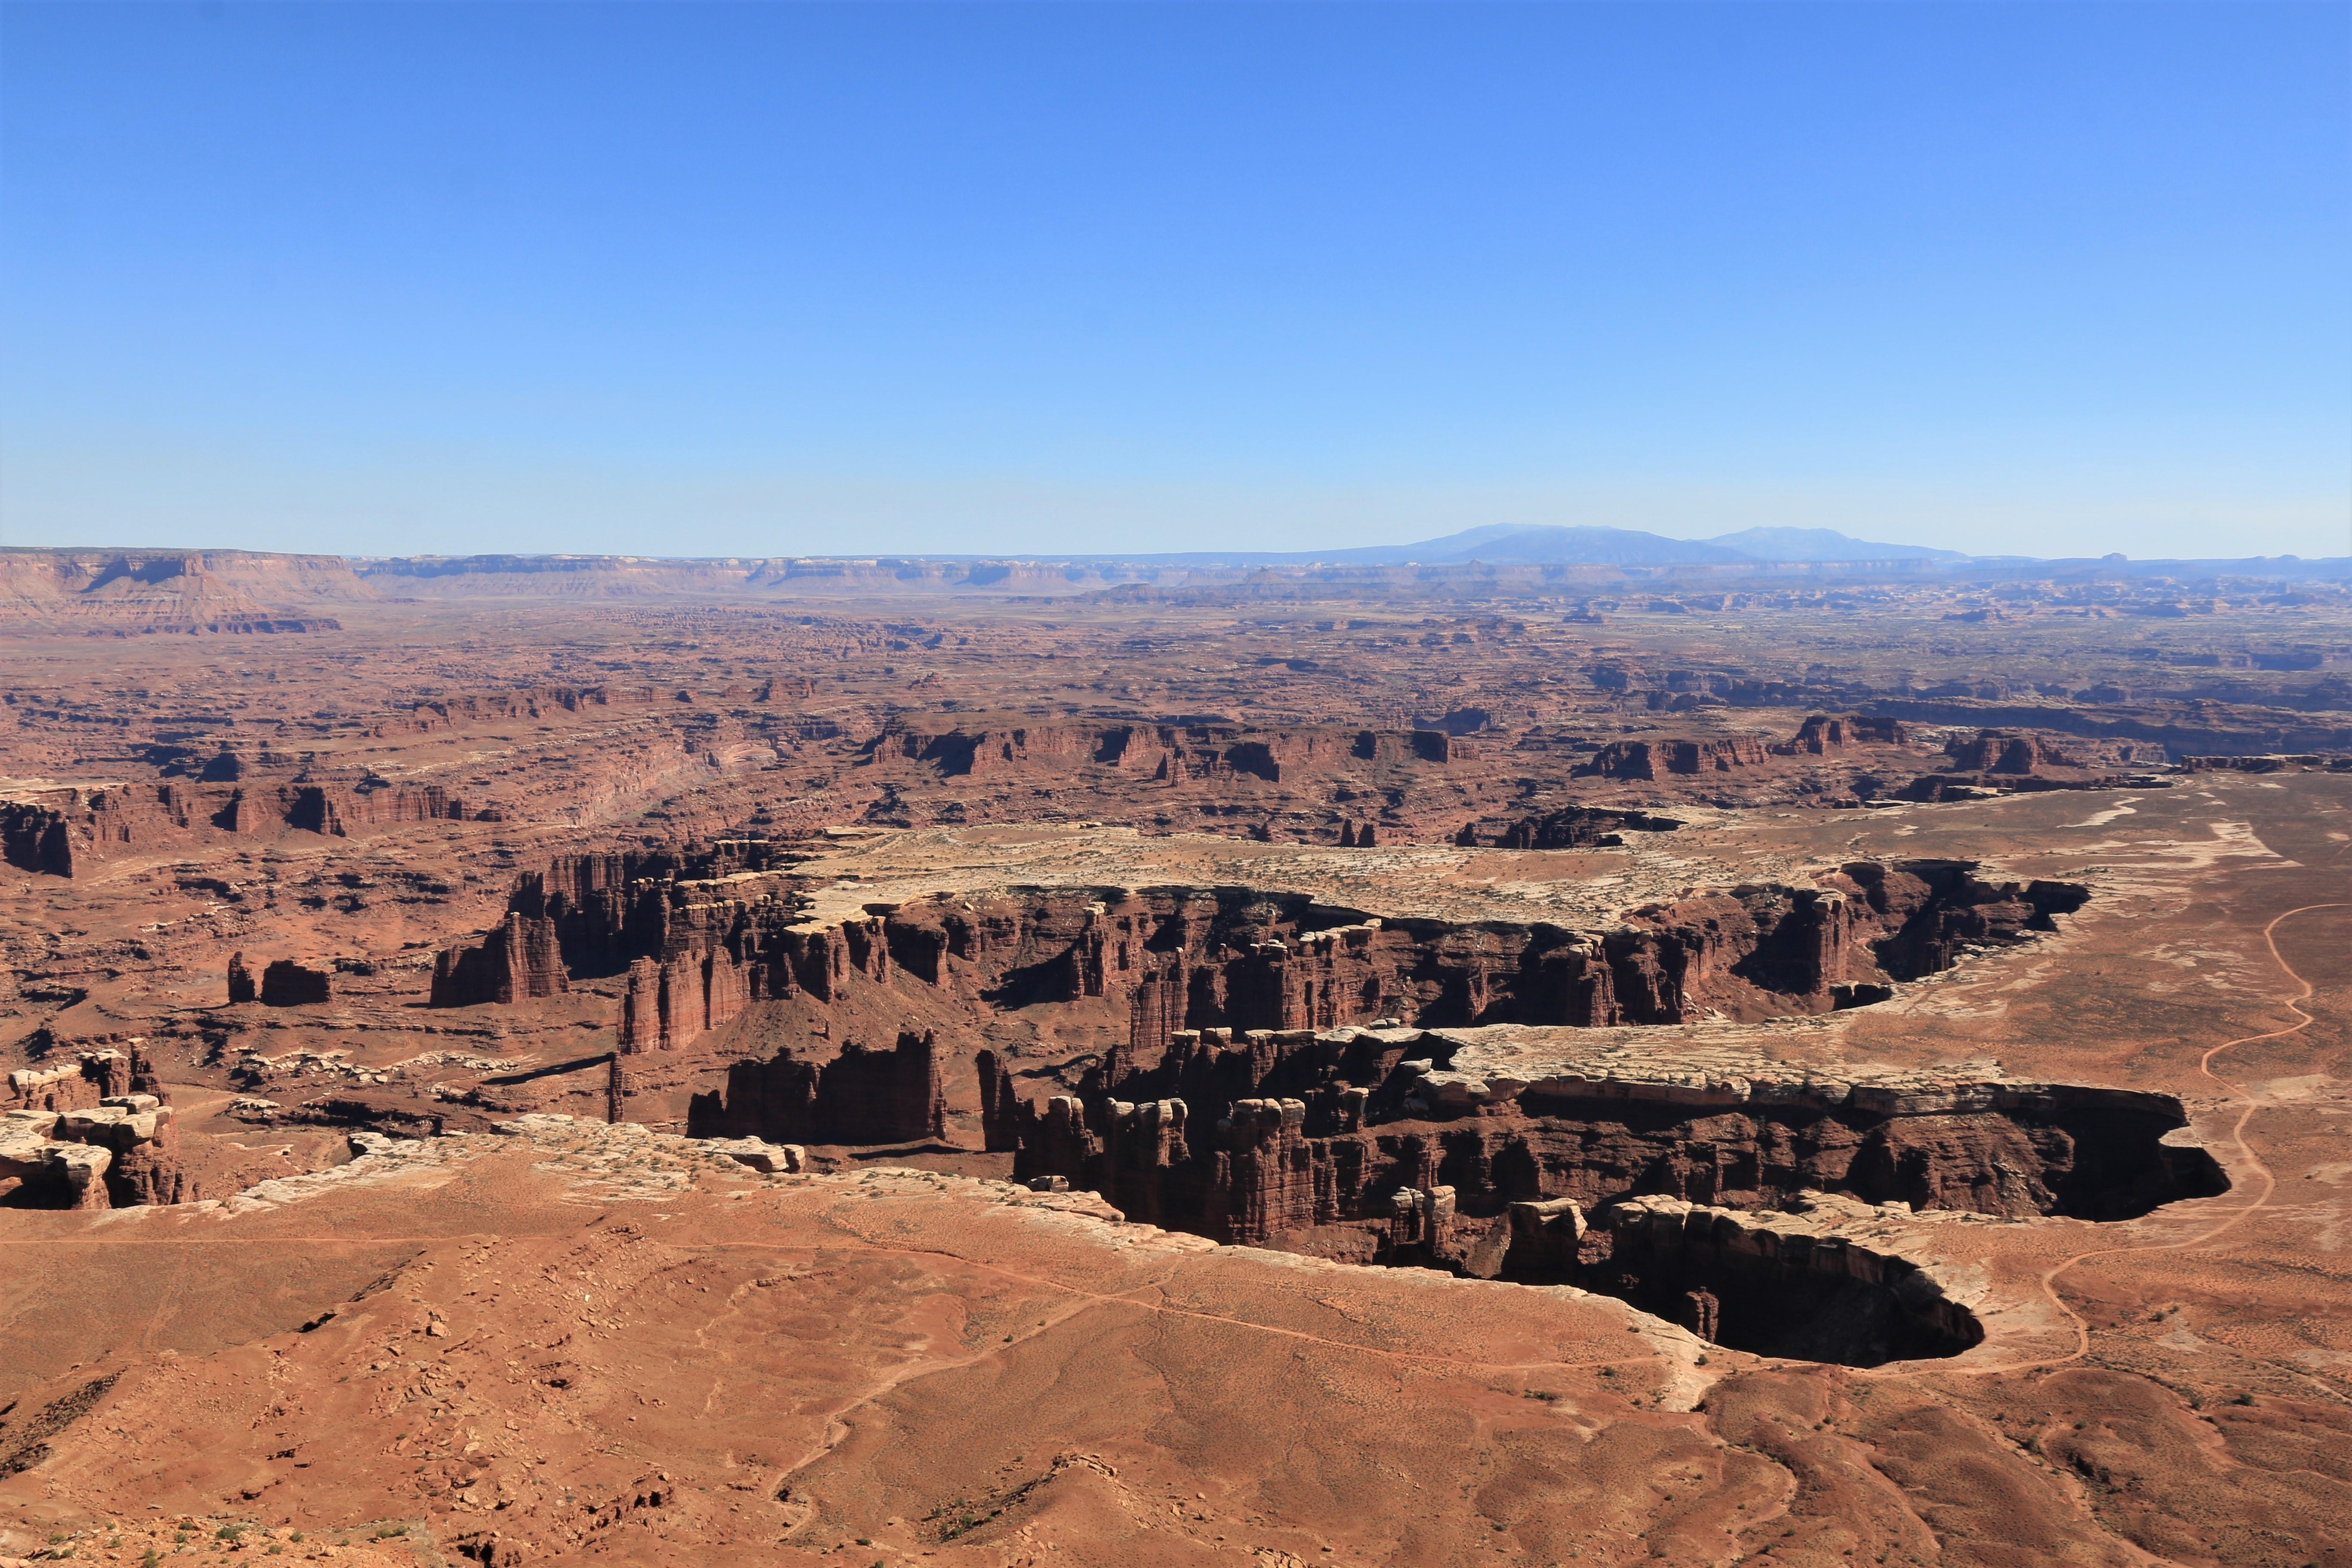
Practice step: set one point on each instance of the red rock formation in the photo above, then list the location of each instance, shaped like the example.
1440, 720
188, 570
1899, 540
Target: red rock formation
1570, 828
2277, 762
999, 1105
1168, 754
287, 983
1714, 756
519, 959
861, 1096
36, 838
1787, 1288
92, 1079
142, 1134
697, 951
2006, 751
1619, 760
1936, 909
60, 832
240, 981
1821, 735
1326, 1126
107, 1151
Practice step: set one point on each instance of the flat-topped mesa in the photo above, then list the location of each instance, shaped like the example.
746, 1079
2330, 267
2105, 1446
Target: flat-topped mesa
697, 954
289, 983
2273, 763
698, 935
1715, 756
1645, 759
1994, 762
1821, 735
609, 908
2008, 752
1232, 957
1522, 1115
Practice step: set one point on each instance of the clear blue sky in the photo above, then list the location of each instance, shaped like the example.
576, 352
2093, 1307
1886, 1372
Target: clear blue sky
685, 279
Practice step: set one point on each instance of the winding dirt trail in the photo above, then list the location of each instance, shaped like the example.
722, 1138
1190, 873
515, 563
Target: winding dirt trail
2248, 1160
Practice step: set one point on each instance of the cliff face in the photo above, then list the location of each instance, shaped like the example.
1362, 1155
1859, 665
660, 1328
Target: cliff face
90, 1134
60, 831
1249, 1138
1714, 756
35, 837
696, 951
2006, 751
1570, 828
286, 983
859, 1097
1822, 735
91, 1080
1242, 1103
175, 591
519, 960
1171, 753
1778, 1284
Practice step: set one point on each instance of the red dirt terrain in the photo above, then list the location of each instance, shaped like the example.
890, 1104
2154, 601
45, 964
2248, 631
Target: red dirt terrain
532, 1062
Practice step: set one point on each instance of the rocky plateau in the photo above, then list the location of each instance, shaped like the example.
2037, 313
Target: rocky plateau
532, 1062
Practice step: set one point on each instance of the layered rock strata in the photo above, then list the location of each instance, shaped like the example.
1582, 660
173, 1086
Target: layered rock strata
1270, 1137
1787, 1284
1823, 734
519, 959
91, 1079
696, 951
861, 1096
121, 1153
62, 832
1165, 753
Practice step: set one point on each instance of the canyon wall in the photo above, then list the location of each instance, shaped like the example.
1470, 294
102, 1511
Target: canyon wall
1262, 1136
61, 832
1171, 753
1243, 1101
696, 951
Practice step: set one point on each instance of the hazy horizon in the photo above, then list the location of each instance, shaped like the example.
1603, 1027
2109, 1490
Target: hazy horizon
2053, 280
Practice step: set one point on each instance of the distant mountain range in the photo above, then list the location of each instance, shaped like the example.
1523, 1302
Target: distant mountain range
1521, 544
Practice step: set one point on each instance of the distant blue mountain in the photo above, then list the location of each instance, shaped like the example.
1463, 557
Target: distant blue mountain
1823, 544
1521, 544
1508, 543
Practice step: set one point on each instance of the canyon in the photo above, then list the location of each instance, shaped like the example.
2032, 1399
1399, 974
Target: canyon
505, 1058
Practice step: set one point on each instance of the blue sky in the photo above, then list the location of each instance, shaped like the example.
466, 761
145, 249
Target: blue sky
737, 278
